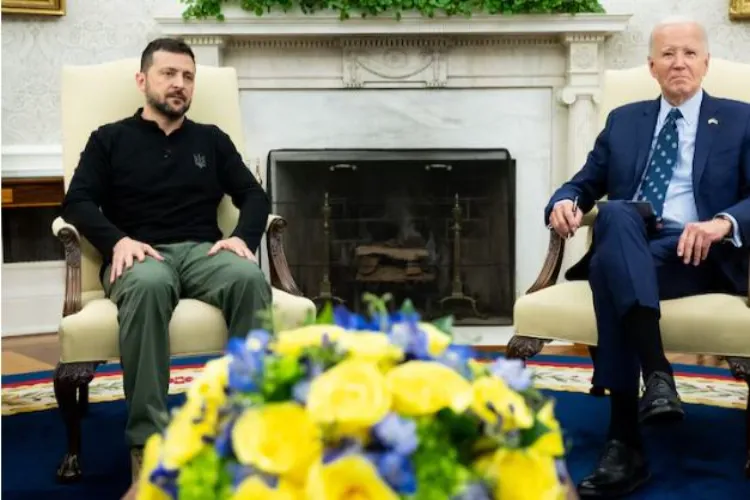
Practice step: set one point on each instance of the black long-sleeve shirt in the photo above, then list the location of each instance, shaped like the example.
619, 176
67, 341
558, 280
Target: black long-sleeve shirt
134, 180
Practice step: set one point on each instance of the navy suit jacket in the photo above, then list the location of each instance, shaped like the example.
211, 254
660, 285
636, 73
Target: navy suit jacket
721, 171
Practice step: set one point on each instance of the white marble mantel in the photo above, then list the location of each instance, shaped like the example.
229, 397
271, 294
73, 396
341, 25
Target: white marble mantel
527, 82
240, 23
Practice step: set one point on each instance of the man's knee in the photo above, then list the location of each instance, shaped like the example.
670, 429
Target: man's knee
148, 278
247, 274
616, 212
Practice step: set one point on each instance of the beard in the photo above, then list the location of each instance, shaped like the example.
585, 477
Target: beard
163, 106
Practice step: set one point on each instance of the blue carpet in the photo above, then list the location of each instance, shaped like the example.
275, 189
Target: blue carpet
701, 458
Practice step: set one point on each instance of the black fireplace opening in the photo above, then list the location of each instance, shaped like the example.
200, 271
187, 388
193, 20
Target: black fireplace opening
436, 226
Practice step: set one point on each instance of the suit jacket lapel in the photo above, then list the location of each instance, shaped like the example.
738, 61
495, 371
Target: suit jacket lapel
645, 136
704, 138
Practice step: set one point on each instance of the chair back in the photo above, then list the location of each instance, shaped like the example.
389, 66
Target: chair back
94, 95
726, 79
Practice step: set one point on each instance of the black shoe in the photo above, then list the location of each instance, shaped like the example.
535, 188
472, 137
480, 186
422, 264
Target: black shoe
621, 470
660, 402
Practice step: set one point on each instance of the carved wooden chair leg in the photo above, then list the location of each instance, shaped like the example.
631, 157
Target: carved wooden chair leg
740, 368
520, 347
68, 378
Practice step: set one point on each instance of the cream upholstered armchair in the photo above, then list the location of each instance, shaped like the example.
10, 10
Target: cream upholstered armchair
92, 96
713, 324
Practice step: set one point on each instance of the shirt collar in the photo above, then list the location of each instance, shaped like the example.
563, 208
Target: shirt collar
690, 109
138, 116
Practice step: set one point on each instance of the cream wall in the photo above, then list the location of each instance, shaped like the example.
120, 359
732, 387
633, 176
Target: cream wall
35, 48
97, 30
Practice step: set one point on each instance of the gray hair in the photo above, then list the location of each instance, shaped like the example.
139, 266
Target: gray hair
672, 20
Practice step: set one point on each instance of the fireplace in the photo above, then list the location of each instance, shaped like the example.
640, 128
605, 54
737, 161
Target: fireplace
434, 225
529, 83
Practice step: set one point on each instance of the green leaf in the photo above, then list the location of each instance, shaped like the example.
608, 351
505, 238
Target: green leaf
202, 9
408, 307
445, 325
280, 374
326, 315
529, 436
202, 477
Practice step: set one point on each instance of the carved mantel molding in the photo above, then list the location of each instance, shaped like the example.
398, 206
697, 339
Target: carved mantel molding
294, 24
412, 52
325, 29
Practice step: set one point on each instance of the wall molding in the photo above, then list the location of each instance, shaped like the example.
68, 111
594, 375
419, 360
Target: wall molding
32, 160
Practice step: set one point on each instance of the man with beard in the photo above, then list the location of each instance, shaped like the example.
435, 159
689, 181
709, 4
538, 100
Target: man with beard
145, 193
685, 156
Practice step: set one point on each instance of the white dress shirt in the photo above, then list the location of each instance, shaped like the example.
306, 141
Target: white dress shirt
679, 203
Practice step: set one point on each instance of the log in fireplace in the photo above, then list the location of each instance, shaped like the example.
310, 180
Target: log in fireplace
437, 226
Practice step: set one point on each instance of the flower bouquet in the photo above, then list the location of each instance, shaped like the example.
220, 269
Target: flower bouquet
382, 407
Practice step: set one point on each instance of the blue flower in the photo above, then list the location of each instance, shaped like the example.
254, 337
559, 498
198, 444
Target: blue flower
245, 367
457, 357
223, 442
474, 491
397, 433
300, 390
239, 472
562, 471
411, 339
344, 447
513, 372
397, 470
344, 318
165, 479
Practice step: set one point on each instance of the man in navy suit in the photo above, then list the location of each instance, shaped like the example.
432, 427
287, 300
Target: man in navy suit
687, 154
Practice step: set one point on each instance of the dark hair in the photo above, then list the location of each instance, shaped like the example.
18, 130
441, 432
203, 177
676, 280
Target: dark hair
172, 45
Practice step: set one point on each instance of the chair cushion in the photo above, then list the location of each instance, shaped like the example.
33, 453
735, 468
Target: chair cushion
195, 328
715, 324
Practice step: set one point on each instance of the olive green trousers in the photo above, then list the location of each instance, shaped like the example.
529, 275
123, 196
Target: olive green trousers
146, 295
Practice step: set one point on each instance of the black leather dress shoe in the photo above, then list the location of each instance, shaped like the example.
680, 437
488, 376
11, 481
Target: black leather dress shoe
621, 470
660, 402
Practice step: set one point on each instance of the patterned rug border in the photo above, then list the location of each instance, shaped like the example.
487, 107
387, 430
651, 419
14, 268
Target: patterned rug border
711, 386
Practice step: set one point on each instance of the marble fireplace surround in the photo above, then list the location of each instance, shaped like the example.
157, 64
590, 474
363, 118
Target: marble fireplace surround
315, 70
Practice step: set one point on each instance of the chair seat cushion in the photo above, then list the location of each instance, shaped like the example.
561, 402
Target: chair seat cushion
196, 327
717, 324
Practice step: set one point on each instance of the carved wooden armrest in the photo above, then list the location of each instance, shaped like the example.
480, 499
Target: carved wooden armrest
552, 263
555, 251
281, 276
71, 240
520, 347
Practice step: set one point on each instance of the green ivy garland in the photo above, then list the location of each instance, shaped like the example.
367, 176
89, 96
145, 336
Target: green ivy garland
203, 9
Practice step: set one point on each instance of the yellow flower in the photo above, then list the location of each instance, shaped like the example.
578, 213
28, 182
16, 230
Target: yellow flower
525, 474
349, 478
508, 403
483, 465
437, 340
211, 384
370, 346
151, 452
253, 488
183, 438
425, 387
277, 438
292, 342
352, 395
550, 443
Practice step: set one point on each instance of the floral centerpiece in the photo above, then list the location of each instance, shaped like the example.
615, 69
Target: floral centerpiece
382, 407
